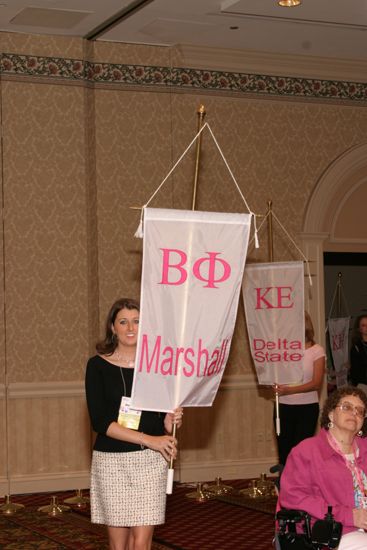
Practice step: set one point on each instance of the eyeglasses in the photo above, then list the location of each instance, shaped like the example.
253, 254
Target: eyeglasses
348, 407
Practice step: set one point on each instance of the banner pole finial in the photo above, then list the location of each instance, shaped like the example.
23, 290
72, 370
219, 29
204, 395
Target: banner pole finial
270, 231
201, 115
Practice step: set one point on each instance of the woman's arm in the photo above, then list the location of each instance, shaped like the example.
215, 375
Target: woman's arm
164, 444
96, 399
314, 384
105, 424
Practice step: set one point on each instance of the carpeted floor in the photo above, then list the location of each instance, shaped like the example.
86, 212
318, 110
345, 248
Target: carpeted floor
30, 529
266, 505
216, 524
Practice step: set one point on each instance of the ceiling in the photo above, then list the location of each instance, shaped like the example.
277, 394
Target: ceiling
327, 28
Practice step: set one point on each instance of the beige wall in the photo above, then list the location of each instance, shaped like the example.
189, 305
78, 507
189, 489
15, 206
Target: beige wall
77, 152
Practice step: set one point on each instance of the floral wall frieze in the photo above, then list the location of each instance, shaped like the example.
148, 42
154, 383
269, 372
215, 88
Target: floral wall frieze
200, 80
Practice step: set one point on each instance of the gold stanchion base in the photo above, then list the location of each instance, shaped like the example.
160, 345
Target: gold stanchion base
78, 500
200, 495
9, 508
218, 488
259, 488
54, 509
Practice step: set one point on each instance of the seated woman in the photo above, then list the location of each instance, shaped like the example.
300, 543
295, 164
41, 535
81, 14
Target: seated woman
330, 468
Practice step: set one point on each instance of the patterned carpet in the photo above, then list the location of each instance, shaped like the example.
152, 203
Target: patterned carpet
266, 505
190, 525
216, 525
30, 529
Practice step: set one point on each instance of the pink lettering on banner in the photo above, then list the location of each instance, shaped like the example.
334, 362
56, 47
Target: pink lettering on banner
188, 363
259, 343
279, 343
280, 350
144, 356
166, 266
338, 341
174, 272
202, 352
211, 276
194, 361
274, 297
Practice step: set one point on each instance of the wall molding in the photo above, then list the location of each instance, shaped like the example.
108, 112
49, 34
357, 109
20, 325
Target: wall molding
231, 469
33, 390
339, 179
57, 481
238, 382
257, 62
242, 84
184, 473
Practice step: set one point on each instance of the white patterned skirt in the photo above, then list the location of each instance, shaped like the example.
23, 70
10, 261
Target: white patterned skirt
128, 489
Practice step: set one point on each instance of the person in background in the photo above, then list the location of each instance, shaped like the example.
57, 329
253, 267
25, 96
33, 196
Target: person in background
129, 462
358, 354
330, 468
299, 404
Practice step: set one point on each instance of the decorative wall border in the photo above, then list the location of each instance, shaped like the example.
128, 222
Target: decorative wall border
200, 80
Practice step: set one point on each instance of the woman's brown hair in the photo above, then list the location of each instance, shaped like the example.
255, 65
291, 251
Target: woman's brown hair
109, 343
309, 331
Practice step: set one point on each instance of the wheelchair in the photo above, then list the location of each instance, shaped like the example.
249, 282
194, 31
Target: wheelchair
294, 531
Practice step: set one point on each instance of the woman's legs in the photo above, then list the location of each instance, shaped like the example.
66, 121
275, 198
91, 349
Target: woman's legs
130, 538
141, 537
288, 423
297, 422
118, 537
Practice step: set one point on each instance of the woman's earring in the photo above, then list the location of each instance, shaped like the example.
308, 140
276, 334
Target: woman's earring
360, 433
330, 424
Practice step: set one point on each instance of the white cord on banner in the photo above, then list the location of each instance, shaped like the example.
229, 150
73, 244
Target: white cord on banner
344, 298
256, 237
332, 304
299, 250
228, 168
139, 231
259, 228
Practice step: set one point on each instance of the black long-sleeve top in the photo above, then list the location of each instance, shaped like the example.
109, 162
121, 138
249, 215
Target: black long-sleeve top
104, 386
358, 363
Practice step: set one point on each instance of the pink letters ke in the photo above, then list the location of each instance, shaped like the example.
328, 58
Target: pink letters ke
274, 297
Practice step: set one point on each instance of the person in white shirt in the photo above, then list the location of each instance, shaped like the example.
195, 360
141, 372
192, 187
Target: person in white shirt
299, 404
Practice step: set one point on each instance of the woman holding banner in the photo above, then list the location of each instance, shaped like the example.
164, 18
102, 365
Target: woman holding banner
358, 354
130, 454
299, 404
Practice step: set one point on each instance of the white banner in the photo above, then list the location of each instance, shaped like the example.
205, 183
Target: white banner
193, 266
338, 336
274, 303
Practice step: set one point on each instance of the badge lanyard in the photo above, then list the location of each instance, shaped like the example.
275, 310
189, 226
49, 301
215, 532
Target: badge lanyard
128, 417
123, 381
351, 465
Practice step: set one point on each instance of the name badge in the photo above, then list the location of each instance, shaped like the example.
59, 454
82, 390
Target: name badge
128, 417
